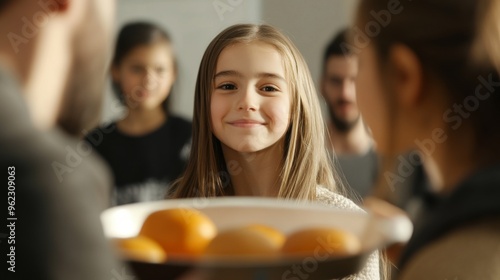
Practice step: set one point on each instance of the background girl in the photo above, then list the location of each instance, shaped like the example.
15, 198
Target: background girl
257, 111
147, 149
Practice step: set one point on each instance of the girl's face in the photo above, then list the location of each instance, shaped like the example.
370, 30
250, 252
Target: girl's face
146, 75
250, 101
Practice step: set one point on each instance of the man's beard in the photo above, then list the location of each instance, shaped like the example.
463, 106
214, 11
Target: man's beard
342, 125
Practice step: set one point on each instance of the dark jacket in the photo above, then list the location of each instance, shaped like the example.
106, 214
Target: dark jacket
458, 237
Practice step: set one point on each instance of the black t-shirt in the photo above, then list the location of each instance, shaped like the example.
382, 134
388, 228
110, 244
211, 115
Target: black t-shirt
144, 166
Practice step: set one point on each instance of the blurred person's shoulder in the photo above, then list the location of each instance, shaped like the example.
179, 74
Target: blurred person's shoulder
60, 189
79, 165
49, 158
469, 252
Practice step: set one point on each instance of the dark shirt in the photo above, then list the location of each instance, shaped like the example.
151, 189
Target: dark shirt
56, 194
144, 166
475, 198
359, 172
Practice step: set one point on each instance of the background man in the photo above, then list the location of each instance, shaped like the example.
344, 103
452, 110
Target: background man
349, 138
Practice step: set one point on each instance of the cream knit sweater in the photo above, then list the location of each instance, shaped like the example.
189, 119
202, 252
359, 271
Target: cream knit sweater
371, 270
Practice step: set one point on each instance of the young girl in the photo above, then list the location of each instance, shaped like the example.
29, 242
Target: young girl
257, 128
430, 80
148, 148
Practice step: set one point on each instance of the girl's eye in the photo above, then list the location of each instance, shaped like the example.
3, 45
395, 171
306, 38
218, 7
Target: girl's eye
269, 88
227, 87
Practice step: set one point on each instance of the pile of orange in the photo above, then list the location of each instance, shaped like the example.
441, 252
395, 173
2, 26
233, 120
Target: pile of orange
190, 234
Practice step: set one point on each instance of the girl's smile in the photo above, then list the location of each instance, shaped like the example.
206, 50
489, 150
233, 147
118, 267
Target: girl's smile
246, 123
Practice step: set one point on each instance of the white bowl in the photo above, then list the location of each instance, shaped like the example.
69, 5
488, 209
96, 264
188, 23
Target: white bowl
285, 215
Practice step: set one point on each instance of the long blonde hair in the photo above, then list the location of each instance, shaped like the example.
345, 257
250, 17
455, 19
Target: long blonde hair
306, 163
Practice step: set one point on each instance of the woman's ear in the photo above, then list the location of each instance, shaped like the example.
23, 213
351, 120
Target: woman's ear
407, 75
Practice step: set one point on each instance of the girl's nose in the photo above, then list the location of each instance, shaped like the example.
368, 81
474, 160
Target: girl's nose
248, 100
150, 81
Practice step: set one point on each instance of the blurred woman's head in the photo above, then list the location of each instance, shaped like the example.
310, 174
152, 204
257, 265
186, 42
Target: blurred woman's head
143, 66
429, 75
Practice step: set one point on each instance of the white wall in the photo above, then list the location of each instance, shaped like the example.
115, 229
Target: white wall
193, 23
310, 24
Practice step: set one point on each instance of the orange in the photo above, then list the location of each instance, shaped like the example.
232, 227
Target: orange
320, 242
242, 243
140, 248
277, 236
181, 232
